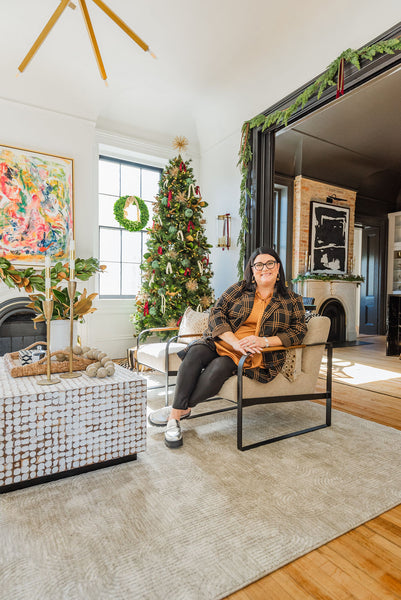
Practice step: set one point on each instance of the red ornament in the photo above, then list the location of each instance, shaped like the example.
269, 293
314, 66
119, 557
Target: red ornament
183, 167
170, 195
187, 271
190, 226
160, 250
179, 321
197, 190
146, 309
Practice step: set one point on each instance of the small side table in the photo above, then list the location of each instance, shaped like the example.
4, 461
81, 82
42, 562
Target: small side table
71, 427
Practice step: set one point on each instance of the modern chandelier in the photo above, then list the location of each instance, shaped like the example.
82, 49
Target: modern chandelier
57, 14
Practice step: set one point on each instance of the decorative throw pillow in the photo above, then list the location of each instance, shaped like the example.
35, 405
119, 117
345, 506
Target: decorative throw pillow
192, 322
292, 367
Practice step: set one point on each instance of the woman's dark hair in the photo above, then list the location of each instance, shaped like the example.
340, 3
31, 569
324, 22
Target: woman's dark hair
248, 275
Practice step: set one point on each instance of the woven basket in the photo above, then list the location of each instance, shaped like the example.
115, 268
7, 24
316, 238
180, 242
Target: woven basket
16, 369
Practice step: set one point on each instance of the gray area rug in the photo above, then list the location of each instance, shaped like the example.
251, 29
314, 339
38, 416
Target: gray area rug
202, 521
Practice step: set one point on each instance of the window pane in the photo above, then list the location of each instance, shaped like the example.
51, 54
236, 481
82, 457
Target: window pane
109, 280
132, 251
109, 177
131, 279
106, 214
130, 180
110, 245
150, 184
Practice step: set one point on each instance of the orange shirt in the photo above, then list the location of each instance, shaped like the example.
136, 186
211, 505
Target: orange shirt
250, 327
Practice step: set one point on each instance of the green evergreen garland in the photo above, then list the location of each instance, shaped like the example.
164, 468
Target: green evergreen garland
328, 78
176, 272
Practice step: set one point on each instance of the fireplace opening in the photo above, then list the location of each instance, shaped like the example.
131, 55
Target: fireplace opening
335, 311
17, 329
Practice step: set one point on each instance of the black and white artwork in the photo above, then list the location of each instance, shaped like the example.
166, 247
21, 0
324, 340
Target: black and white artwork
329, 238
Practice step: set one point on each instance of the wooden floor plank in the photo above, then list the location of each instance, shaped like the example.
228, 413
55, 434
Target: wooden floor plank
365, 562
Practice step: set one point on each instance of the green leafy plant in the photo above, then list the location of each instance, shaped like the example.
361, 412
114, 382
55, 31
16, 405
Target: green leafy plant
31, 279
329, 277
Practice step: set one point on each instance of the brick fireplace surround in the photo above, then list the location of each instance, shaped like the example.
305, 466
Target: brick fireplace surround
305, 191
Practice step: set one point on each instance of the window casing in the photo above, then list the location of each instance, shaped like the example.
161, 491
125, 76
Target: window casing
121, 250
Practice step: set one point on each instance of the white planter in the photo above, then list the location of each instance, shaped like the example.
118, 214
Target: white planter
60, 335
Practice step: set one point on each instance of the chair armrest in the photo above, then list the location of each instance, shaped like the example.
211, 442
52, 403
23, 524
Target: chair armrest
274, 348
152, 330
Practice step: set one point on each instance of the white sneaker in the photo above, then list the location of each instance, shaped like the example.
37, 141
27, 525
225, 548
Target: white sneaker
173, 435
161, 416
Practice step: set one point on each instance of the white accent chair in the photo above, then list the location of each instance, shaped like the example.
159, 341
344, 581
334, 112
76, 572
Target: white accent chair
244, 392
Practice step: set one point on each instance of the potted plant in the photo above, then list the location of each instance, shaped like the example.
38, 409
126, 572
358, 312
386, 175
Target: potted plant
32, 280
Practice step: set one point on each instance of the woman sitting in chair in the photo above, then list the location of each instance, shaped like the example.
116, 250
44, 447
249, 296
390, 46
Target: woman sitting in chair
252, 314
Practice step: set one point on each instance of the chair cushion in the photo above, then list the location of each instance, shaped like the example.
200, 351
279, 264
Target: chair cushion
192, 322
153, 355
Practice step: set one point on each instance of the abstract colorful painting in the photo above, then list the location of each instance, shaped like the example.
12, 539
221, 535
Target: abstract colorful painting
36, 205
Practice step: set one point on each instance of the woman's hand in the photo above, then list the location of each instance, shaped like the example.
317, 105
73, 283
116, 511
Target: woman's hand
253, 344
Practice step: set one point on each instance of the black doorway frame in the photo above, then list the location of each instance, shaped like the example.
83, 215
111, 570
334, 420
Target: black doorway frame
261, 173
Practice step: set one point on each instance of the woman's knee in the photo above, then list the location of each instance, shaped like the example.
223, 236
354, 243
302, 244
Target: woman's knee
221, 367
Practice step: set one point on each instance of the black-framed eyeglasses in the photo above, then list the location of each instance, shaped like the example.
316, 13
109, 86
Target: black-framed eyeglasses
269, 265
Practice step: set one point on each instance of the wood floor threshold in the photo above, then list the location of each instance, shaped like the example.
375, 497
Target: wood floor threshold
364, 563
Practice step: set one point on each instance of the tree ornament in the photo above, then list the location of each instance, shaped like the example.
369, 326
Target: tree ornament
152, 311
187, 272
164, 201
206, 301
169, 198
172, 229
180, 235
155, 264
174, 171
181, 197
190, 226
160, 250
188, 212
191, 190
146, 309
185, 262
191, 285
169, 268
180, 143
120, 213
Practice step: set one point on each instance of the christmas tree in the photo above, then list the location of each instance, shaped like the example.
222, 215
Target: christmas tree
176, 268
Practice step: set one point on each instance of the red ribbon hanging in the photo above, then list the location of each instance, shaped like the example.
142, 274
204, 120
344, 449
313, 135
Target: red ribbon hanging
340, 79
190, 226
206, 258
197, 190
146, 309
160, 250
187, 271
182, 166
170, 195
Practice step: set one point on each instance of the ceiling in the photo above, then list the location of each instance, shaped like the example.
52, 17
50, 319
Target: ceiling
353, 142
218, 63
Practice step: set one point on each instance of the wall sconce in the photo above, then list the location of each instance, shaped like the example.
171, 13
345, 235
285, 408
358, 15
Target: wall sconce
223, 231
332, 197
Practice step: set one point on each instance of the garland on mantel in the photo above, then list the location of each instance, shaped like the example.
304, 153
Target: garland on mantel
334, 75
329, 277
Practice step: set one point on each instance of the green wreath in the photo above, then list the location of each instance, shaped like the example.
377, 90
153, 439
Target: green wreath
120, 207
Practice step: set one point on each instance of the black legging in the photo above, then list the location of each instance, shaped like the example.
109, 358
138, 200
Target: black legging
201, 375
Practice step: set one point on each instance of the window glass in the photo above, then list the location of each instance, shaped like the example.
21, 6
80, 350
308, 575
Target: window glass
106, 210
150, 184
109, 280
131, 246
109, 177
131, 279
119, 249
130, 180
110, 245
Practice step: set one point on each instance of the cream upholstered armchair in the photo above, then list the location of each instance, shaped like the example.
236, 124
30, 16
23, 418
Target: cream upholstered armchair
296, 381
162, 356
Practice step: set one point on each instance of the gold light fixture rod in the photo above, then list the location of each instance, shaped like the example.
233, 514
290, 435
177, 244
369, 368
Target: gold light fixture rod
43, 34
93, 40
121, 24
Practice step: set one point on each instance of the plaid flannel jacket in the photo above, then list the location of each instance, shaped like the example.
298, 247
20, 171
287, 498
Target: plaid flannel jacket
284, 317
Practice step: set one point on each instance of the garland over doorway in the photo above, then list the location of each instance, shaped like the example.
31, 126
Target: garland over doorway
333, 76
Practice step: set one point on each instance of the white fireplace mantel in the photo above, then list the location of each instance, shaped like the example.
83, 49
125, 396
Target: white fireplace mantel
343, 291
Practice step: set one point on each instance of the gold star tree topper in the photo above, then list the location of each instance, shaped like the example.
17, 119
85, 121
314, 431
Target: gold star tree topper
180, 143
